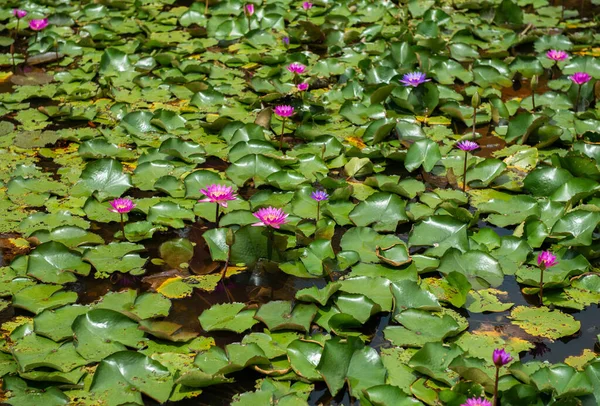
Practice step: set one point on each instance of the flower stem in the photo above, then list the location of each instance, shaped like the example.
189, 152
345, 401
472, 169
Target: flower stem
533, 99
474, 120
281, 136
464, 186
122, 225
217, 216
206, 7
270, 237
541, 293
12, 46
577, 100
495, 402
318, 211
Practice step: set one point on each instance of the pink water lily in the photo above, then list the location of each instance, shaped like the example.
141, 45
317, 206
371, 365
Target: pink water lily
467, 145
219, 194
296, 68
270, 217
580, 78
122, 205
414, 79
19, 13
302, 87
501, 357
284, 111
477, 402
38, 25
546, 259
249, 9
307, 5
557, 55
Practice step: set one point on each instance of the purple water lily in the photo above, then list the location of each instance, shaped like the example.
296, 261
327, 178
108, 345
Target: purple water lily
467, 145
414, 79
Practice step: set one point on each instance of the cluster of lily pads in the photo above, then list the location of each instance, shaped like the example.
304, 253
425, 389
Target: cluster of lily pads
395, 165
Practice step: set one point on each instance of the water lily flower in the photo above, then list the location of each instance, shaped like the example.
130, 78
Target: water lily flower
296, 68
302, 86
284, 110
557, 55
501, 357
38, 25
270, 217
319, 195
580, 78
307, 5
414, 79
122, 205
286, 41
19, 13
546, 259
219, 194
467, 145
249, 9
477, 402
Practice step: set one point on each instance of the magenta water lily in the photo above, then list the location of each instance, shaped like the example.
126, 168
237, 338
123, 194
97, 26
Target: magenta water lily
284, 111
296, 68
501, 357
249, 9
580, 78
19, 13
466, 146
557, 55
546, 259
122, 205
414, 79
38, 25
477, 402
307, 5
302, 87
219, 194
270, 217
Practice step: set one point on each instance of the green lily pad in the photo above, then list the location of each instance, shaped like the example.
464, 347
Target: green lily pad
543, 322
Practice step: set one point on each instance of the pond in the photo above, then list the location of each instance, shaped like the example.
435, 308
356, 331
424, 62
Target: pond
277, 202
